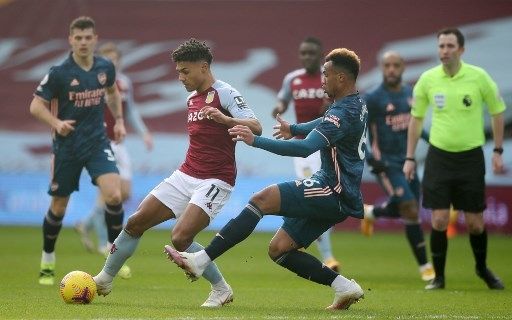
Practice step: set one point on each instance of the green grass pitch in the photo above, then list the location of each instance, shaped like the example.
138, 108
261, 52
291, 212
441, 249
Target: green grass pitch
383, 265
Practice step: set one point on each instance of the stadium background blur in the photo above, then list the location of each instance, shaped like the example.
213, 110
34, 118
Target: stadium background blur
254, 44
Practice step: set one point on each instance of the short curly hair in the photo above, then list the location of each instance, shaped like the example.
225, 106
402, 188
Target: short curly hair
82, 23
192, 50
345, 59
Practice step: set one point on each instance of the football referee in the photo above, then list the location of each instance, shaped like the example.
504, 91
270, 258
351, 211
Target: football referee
455, 166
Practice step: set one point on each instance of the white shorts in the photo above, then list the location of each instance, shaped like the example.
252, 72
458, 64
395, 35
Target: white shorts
180, 189
124, 165
305, 167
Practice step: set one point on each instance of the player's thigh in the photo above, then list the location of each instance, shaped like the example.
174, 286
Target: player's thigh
211, 195
65, 176
123, 161
175, 192
402, 187
101, 162
309, 208
150, 212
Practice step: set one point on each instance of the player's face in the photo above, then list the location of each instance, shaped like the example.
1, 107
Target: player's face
192, 74
114, 57
392, 70
310, 56
449, 49
332, 80
83, 42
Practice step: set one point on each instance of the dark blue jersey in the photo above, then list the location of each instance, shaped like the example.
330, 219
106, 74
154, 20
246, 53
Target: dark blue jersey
76, 94
344, 128
391, 112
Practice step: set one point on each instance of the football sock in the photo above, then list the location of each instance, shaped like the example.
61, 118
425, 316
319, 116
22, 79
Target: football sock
324, 245
479, 246
341, 283
114, 215
306, 266
389, 210
417, 242
51, 228
235, 231
48, 257
438, 246
100, 226
212, 272
124, 246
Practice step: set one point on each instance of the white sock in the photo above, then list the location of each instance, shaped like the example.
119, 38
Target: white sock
202, 259
48, 257
103, 277
427, 265
341, 283
221, 285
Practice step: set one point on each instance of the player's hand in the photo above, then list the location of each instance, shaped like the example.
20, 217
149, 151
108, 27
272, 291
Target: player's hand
64, 127
277, 110
214, 114
119, 131
242, 133
409, 169
148, 141
378, 166
376, 151
282, 129
497, 163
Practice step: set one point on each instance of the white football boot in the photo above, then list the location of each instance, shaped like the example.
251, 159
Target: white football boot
344, 299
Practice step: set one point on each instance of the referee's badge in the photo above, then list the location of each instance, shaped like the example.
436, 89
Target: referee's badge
439, 100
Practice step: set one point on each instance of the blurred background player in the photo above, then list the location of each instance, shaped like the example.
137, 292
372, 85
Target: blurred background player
312, 205
71, 100
455, 165
96, 219
389, 110
304, 87
196, 192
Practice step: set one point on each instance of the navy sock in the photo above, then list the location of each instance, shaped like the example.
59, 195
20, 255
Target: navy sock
479, 246
306, 266
390, 210
417, 242
114, 215
51, 228
438, 246
235, 231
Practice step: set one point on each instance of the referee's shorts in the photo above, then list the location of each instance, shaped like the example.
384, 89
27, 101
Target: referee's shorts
454, 178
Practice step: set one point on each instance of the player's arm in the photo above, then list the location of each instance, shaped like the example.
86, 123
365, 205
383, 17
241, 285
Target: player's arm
284, 96
39, 108
413, 135
293, 148
496, 107
375, 141
113, 99
135, 120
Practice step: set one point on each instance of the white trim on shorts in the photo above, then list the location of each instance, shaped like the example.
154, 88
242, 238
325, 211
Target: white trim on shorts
180, 189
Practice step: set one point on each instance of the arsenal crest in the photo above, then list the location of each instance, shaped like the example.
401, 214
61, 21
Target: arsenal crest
102, 78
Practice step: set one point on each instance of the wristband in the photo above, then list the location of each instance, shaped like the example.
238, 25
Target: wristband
498, 150
410, 159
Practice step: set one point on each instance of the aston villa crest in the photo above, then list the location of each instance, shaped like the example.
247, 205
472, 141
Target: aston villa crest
209, 97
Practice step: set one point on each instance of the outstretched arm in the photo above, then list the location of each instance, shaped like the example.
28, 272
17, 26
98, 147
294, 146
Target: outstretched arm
293, 148
304, 128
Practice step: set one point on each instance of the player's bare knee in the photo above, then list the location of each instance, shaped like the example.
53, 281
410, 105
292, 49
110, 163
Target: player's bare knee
113, 198
440, 222
475, 227
133, 227
409, 210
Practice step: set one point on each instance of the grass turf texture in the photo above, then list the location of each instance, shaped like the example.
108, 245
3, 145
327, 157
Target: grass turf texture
383, 266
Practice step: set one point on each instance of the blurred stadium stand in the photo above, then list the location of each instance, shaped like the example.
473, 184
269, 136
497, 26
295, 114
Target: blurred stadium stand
254, 44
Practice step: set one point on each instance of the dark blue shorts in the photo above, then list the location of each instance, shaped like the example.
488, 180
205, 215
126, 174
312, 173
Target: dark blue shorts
66, 170
404, 190
309, 208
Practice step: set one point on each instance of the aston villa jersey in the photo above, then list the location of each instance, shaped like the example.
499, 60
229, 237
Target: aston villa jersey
211, 152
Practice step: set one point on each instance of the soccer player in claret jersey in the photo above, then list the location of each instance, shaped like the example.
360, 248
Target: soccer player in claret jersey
76, 92
196, 192
389, 110
304, 87
309, 206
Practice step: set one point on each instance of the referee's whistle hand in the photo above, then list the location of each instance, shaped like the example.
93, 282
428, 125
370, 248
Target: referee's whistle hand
409, 168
